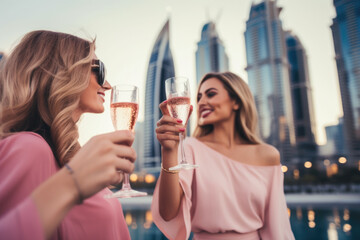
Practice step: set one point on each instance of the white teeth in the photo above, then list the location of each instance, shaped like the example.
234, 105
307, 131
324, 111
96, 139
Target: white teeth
102, 96
205, 112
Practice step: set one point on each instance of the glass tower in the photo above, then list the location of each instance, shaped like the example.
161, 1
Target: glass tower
210, 55
301, 93
161, 67
268, 76
346, 36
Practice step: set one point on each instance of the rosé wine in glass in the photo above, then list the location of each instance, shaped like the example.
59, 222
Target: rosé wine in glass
124, 109
178, 103
124, 115
179, 107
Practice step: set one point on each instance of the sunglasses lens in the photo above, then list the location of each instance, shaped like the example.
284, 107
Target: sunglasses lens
100, 70
101, 76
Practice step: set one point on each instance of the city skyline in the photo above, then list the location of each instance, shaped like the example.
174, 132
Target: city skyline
129, 29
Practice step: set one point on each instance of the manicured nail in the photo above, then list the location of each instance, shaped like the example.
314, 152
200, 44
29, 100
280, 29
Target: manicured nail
179, 120
182, 129
165, 101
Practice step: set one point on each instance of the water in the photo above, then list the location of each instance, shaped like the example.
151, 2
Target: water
320, 223
332, 223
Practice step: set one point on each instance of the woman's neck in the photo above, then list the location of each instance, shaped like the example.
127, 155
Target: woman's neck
224, 133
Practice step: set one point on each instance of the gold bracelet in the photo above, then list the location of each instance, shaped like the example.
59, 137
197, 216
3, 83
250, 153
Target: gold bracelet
169, 171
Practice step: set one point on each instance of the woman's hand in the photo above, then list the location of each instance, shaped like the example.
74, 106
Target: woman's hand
168, 129
98, 162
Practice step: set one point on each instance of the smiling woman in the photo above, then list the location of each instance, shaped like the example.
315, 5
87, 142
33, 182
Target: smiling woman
48, 81
229, 153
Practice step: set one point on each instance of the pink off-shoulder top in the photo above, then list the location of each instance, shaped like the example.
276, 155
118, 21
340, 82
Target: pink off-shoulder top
226, 199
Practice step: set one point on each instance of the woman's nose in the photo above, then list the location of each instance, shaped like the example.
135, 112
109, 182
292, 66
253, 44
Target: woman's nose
106, 85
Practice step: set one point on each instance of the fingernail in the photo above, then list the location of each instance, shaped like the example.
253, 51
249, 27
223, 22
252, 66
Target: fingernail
179, 120
165, 101
182, 129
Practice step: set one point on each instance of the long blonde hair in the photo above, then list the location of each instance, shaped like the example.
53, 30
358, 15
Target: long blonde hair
40, 86
246, 115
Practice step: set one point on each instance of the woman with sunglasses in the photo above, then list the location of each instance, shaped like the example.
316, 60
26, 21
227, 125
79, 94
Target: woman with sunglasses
50, 186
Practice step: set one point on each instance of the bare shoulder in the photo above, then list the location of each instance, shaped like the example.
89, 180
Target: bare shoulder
267, 155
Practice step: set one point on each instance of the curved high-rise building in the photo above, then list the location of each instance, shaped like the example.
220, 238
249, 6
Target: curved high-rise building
346, 35
210, 55
161, 67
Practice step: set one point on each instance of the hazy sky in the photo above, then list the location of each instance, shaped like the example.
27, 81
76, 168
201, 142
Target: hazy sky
126, 30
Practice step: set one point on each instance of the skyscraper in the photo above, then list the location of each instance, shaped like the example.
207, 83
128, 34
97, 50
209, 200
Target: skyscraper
302, 104
346, 36
335, 138
210, 55
268, 76
161, 67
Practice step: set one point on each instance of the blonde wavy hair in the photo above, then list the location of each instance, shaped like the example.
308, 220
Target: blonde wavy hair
40, 86
246, 115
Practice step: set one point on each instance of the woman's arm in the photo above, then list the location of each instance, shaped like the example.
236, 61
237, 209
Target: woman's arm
170, 191
54, 199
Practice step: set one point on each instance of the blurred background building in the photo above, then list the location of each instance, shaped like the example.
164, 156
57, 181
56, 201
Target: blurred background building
301, 95
346, 36
210, 54
161, 67
268, 76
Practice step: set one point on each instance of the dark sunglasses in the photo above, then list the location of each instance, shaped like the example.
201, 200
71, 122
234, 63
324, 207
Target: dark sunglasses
98, 68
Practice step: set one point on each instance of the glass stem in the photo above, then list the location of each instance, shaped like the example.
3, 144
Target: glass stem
126, 182
183, 160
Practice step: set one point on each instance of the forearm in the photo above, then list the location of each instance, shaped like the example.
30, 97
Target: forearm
170, 191
53, 199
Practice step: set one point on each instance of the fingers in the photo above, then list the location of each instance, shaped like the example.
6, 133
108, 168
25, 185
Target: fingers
163, 108
168, 120
170, 129
125, 137
163, 137
191, 110
122, 164
116, 179
125, 152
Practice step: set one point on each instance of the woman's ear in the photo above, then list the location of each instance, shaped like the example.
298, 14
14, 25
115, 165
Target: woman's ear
236, 106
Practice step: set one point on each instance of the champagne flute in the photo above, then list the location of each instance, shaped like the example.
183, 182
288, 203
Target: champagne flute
124, 109
178, 103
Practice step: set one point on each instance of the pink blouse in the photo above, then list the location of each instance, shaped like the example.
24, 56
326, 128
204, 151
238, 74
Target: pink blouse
226, 199
26, 161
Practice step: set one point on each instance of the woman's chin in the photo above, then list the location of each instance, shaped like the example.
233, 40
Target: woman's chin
202, 122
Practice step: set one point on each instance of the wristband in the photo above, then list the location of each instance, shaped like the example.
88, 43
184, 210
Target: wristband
72, 173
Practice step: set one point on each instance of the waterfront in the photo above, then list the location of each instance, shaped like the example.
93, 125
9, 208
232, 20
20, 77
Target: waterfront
312, 217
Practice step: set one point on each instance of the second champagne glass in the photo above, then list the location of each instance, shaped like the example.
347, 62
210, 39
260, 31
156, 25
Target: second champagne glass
124, 112
178, 103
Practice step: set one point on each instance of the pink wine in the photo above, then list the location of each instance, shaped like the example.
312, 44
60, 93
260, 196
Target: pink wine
179, 107
124, 115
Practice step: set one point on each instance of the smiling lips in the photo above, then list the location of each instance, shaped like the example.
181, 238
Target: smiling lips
205, 112
102, 95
